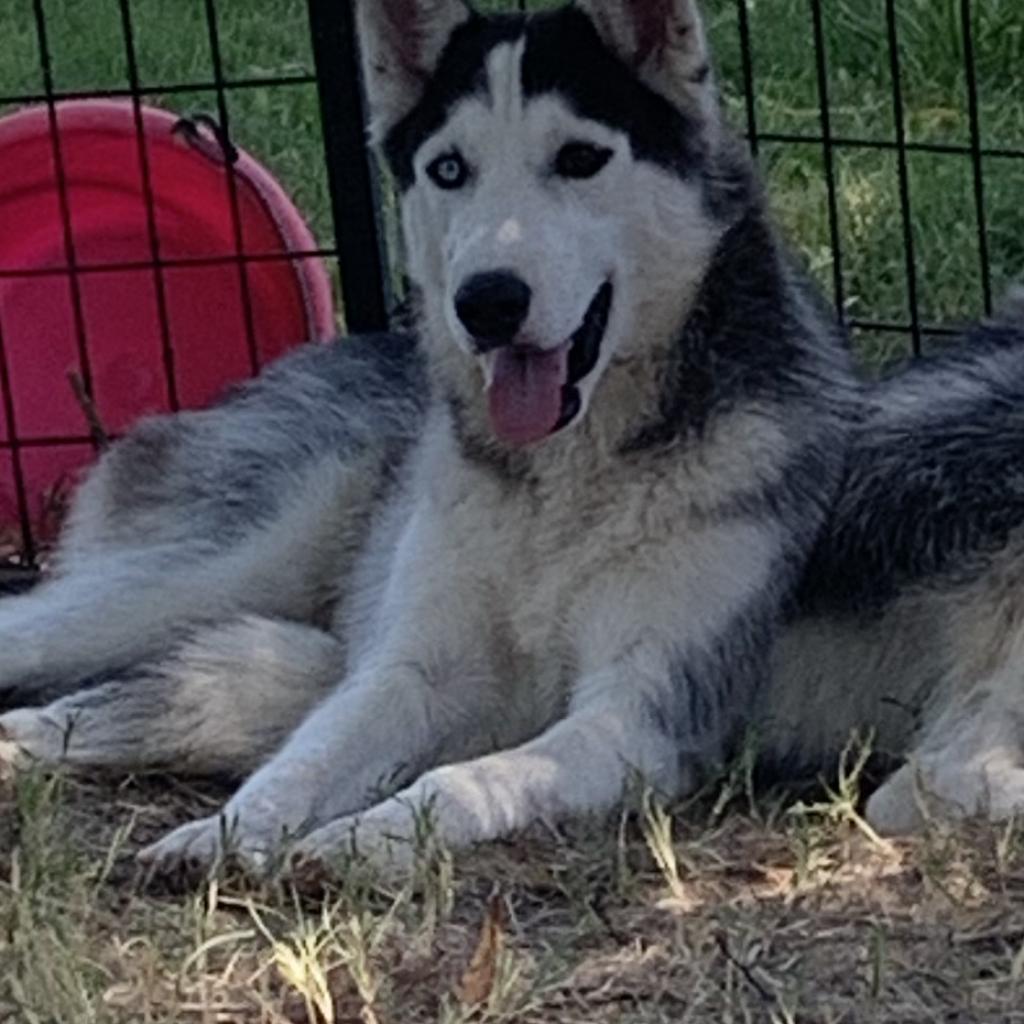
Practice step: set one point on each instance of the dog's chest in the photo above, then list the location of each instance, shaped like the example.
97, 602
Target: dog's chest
565, 551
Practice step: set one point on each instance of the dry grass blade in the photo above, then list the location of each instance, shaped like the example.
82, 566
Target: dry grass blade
657, 829
871, 936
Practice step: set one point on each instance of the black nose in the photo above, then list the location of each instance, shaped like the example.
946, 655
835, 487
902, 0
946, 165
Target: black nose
493, 307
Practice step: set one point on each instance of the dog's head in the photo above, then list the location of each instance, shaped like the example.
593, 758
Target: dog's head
562, 183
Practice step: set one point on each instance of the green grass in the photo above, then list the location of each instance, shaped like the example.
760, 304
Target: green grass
943, 211
281, 125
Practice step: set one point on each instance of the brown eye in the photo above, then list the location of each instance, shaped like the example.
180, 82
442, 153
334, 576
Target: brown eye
449, 171
581, 160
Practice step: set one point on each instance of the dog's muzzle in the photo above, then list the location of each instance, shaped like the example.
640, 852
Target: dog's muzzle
534, 392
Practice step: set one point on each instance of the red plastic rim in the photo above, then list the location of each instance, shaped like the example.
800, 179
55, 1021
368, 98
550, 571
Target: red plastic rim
146, 340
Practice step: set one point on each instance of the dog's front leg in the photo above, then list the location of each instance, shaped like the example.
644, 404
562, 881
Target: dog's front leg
664, 707
368, 736
422, 693
581, 764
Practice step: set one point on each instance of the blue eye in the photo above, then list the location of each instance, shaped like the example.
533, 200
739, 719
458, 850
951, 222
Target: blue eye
581, 160
449, 171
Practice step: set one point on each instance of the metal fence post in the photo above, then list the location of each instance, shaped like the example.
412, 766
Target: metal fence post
354, 205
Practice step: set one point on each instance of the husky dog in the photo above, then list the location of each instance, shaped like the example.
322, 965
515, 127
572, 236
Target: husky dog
619, 500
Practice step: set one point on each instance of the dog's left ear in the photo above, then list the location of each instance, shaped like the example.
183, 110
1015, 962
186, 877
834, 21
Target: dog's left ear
401, 42
663, 41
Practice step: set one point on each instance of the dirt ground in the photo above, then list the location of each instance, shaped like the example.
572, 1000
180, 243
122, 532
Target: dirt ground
727, 910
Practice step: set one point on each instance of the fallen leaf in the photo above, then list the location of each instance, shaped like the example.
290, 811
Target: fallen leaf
478, 980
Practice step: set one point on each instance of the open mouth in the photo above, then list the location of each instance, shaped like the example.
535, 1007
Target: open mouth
533, 392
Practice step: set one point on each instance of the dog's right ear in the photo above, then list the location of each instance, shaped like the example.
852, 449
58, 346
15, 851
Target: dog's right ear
401, 42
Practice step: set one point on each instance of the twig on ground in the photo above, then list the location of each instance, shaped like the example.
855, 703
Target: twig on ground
98, 433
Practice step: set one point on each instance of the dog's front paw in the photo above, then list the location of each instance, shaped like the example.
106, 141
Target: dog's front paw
387, 836
253, 831
196, 847
201, 847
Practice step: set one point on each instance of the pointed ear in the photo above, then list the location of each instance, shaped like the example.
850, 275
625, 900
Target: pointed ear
401, 42
663, 41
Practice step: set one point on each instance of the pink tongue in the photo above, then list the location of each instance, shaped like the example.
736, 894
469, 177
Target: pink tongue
526, 393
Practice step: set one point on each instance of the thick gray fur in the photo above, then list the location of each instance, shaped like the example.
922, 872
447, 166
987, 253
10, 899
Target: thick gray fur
342, 579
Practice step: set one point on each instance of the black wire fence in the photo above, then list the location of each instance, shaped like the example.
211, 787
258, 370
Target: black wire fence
850, 120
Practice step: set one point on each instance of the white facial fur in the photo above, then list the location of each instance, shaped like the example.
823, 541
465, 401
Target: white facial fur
633, 224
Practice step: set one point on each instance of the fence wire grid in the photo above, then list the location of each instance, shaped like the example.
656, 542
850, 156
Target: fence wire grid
891, 133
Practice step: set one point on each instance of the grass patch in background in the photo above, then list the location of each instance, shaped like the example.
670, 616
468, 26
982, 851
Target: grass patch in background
935, 92
281, 125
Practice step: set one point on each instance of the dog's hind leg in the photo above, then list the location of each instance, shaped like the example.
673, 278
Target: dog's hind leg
258, 506
221, 704
968, 758
925, 549
118, 607
100, 619
971, 762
